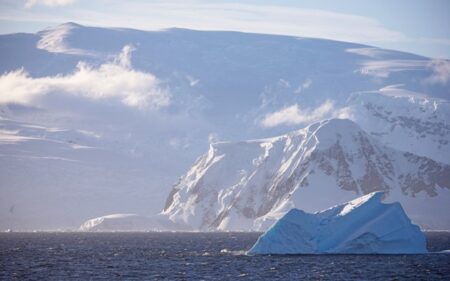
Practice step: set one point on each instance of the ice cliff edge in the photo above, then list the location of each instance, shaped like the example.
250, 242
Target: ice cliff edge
362, 226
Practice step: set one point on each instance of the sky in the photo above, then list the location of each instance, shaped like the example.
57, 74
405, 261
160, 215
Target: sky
417, 26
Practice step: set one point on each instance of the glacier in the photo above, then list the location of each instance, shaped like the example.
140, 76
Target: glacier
362, 226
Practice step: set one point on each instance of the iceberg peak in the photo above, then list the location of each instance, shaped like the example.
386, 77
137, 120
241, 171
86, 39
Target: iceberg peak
371, 198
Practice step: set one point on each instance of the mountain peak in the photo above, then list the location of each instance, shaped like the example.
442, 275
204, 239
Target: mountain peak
63, 27
71, 24
336, 125
327, 133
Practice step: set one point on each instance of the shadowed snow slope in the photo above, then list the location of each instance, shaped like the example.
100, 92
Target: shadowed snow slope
362, 226
405, 121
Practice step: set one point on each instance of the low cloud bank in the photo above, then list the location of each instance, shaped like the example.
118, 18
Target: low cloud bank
112, 80
294, 115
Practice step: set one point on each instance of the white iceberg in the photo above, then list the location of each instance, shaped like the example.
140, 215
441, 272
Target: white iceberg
126, 222
362, 226
116, 222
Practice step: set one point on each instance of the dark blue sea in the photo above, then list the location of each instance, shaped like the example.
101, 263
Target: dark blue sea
198, 256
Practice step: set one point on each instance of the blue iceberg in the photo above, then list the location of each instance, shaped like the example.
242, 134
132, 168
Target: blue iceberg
362, 226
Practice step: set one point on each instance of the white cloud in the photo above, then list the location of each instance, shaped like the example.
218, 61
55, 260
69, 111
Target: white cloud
383, 68
48, 3
294, 115
213, 137
440, 68
369, 52
441, 72
264, 19
115, 80
209, 15
303, 86
124, 58
283, 83
192, 81
398, 91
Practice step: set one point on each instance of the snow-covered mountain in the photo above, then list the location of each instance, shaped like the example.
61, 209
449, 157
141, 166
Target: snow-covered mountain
97, 121
246, 185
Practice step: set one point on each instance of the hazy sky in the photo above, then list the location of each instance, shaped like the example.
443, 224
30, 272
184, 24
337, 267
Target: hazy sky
418, 26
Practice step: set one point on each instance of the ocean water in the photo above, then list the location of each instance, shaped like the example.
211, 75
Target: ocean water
198, 256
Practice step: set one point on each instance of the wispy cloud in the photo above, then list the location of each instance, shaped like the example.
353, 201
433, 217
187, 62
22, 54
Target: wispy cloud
303, 86
113, 80
440, 72
294, 115
48, 3
203, 15
383, 68
369, 52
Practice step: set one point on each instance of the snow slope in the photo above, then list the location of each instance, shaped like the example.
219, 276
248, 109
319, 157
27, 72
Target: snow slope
119, 114
361, 226
247, 185
405, 121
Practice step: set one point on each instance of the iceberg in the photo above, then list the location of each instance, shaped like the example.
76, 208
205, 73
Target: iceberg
362, 226
129, 223
116, 222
